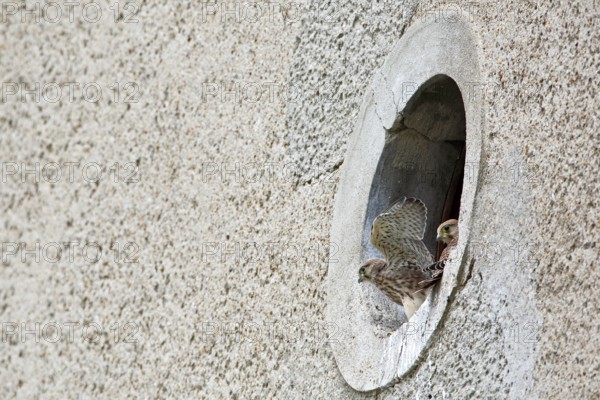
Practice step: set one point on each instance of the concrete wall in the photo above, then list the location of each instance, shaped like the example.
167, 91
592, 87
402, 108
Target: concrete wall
218, 287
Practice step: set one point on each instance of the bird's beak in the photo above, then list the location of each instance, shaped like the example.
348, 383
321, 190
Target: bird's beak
438, 238
360, 280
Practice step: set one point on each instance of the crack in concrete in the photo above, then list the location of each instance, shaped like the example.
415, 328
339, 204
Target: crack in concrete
387, 88
377, 104
469, 273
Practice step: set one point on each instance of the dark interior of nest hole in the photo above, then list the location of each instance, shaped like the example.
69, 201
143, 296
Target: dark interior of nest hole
424, 157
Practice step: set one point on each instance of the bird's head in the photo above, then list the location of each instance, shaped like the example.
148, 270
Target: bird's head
448, 231
370, 268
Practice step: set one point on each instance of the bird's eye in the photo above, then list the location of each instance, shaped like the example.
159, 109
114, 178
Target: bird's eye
446, 228
361, 272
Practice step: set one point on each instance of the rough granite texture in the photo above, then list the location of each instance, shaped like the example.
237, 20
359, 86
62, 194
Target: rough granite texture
530, 334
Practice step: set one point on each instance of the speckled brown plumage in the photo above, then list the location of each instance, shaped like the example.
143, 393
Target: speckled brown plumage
447, 232
398, 234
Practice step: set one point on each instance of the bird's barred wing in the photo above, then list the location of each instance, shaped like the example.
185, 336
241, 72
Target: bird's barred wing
398, 233
437, 268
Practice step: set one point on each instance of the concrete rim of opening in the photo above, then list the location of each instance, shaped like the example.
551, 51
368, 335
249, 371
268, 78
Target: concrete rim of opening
429, 48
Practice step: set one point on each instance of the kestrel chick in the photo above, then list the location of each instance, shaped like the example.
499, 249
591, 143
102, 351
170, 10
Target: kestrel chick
447, 232
398, 234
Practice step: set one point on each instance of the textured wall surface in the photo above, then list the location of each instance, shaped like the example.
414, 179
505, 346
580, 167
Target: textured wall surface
210, 281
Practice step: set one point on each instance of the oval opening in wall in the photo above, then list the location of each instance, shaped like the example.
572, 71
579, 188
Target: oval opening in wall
418, 135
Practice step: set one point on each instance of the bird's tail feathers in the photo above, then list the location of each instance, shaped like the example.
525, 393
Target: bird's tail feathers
428, 283
414, 302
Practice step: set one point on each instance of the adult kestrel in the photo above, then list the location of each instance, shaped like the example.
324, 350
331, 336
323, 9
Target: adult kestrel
447, 232
398, 234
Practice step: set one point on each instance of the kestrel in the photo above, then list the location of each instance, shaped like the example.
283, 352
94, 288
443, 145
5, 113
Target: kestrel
398, 234
447, 232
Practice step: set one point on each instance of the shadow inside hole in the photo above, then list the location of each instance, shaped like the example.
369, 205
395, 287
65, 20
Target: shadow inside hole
423, 157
